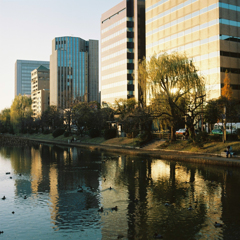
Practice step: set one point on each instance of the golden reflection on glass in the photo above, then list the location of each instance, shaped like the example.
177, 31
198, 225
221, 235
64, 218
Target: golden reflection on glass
53, 194
36, 170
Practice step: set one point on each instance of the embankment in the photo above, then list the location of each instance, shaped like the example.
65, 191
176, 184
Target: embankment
200, 158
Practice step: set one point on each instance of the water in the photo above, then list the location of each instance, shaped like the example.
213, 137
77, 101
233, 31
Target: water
42, 186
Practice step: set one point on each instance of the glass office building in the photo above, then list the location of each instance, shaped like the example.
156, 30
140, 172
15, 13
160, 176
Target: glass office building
73, 71
23, 69
122, 45
207, 31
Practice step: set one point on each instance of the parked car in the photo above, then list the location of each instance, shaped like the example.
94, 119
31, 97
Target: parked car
181, 131
218, 131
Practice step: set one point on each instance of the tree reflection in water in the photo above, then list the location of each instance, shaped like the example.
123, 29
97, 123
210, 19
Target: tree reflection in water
152, 195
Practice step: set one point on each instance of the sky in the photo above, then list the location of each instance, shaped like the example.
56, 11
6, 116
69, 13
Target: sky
27, 28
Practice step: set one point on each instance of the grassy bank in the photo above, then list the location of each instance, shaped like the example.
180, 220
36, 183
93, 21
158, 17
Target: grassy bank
179, 145
122, 141
209, 147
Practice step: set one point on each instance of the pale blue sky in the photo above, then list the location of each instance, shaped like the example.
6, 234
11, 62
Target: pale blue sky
27, 28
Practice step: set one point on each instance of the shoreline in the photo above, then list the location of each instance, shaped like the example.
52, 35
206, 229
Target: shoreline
173, 155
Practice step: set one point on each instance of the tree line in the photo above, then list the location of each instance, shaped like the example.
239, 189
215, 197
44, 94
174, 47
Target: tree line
172, 94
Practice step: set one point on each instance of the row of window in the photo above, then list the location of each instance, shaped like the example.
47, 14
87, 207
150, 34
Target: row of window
217, 5
156, 5
115, 14
115, 24
184, 33
115, 64
171, 10
206, 56
230, 54
114, 44
114, 55
31, 67
112, 85
114, 35
229, 38
229, 22
194, 44
233, 86
182, 19
116, 74
60, 42
231, 70
115, 95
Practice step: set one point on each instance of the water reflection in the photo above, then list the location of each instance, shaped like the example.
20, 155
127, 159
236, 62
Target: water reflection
177, 200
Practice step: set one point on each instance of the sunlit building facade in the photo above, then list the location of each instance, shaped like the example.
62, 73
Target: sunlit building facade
73, 71
39, 90
207, 31
23, 69
122, 45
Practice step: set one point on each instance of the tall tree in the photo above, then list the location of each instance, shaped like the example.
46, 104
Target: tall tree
20, 110
227, 90
212, 112
52, 117
171, 79
5, 120
83, 116
141, 78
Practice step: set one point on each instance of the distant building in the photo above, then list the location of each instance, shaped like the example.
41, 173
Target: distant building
122, 46
207, 31
73, 71
23, 69
40, 90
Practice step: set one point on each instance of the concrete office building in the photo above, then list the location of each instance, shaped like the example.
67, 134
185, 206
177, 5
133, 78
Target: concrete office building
122, 45
23, 69
207, 31
39, 90
73, 71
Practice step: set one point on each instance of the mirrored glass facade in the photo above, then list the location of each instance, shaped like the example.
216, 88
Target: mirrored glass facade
23, 69
207, 31
122, 45
73, 71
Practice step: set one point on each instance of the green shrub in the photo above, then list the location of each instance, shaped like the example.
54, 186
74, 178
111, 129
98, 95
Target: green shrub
66, 134
46, 131
144, 138
110, 133
132, 134
31, 131
232, 137
238, 133
24, 131
202, 137
58, 132
215, 138
94, 133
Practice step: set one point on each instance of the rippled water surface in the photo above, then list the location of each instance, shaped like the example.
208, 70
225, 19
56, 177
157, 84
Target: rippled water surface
152, 196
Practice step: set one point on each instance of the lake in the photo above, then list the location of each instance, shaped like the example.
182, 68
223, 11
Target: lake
55, 192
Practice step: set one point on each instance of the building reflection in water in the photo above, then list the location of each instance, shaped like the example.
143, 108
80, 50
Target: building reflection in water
151, 194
